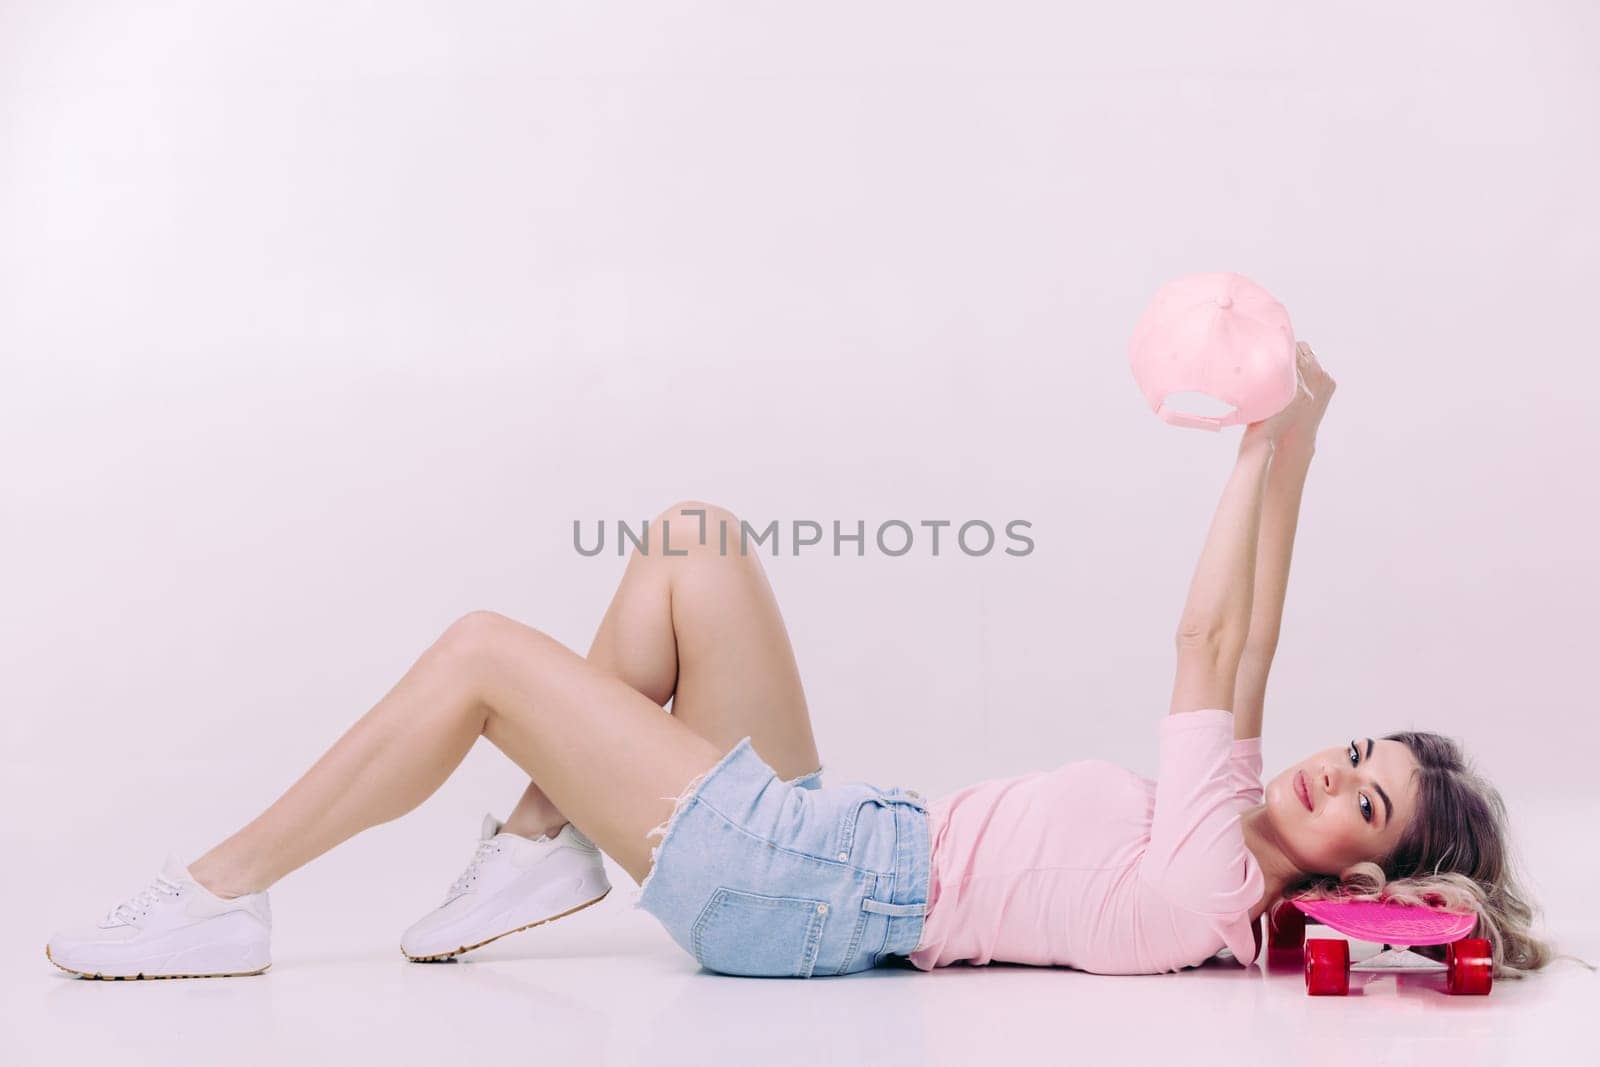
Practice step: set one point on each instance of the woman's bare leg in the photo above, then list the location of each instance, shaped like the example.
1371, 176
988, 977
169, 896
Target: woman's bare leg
601, 751
704, 631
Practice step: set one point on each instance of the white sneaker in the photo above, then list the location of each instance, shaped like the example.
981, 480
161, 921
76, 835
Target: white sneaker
173, 928
511, 884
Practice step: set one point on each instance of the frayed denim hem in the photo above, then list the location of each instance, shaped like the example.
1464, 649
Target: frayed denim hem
664, 829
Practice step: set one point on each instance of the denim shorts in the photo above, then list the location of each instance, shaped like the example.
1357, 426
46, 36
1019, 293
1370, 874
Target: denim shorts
761, 877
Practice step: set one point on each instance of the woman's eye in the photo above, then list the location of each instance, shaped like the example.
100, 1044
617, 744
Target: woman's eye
1366, 808
1355, 754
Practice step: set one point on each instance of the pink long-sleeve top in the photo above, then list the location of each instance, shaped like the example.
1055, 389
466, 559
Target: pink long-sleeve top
1094, 867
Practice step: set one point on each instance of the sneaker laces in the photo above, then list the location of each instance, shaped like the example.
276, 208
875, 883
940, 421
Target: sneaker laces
486, 848
129, 911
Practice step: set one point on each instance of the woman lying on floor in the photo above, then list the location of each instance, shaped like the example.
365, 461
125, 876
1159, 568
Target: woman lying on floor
755, 868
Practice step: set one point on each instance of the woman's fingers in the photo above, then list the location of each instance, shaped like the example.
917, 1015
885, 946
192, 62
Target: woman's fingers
1307, 365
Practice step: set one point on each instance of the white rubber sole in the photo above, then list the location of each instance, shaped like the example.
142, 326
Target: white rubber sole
141, 976
453, 953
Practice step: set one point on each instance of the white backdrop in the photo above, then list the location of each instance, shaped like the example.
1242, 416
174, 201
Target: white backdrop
319, 325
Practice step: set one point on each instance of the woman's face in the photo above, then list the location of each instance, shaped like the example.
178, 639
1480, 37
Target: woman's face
1344, 804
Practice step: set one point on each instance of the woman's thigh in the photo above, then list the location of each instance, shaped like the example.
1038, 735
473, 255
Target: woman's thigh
704, 628
601, 751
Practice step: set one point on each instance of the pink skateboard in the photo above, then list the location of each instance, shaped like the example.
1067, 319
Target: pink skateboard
1468, 966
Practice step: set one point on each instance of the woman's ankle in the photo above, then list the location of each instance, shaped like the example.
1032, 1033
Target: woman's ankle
532, 828
218, 882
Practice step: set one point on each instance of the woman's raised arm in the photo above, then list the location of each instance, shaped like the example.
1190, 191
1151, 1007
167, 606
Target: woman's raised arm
1217, 622
1280, 517
1216, 616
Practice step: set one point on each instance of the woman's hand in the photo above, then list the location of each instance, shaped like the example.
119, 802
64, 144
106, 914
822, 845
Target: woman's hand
1296, 425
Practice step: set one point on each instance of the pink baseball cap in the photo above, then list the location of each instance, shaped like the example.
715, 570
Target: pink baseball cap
1220, 334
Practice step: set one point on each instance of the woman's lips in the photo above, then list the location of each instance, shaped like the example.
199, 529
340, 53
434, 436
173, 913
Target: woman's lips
1301, 791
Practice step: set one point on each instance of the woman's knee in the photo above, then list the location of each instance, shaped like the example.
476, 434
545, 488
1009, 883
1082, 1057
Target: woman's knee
693, 527
485, 651
475, 633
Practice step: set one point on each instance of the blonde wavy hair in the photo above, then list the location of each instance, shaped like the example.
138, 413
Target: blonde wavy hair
1455, 854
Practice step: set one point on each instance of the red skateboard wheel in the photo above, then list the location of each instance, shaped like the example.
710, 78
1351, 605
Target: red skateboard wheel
1286, 927
1470, 967
1327, 967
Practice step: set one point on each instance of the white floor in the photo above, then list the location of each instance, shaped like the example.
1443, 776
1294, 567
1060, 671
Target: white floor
606, 986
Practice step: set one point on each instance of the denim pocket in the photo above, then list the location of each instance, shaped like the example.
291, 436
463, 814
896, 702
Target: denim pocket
850, 826
759, 936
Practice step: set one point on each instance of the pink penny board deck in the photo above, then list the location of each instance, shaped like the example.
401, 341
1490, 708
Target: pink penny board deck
1391, 924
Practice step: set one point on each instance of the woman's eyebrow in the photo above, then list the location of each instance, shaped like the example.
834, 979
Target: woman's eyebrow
1389, 808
